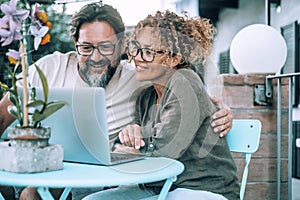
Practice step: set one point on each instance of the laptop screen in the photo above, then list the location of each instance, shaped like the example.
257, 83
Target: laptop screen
80, 126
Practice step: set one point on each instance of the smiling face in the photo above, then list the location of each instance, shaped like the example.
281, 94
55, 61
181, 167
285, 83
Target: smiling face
157, 71
97, 69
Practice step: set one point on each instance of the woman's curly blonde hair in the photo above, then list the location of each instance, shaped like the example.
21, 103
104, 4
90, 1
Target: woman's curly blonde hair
189, 37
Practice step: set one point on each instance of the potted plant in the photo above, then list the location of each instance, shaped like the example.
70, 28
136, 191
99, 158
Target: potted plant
28, 149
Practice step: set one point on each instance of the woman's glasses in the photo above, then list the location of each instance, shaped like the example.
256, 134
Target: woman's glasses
147, 54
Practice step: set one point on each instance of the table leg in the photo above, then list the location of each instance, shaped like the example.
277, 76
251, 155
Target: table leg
164, 191
45, 193
64, 195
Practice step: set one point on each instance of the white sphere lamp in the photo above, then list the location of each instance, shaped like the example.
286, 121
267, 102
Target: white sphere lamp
258, 48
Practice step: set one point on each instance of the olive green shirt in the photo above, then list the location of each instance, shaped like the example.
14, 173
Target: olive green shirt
180, 128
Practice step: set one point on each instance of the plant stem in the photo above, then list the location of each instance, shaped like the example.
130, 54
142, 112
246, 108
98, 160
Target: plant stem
25, 92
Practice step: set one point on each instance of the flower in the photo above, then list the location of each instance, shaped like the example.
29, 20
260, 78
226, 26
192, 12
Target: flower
13, 56
18, 25
12, 15
42, 16
11, 24
48, 24
46, 39
38, 34
11, 33
4, 86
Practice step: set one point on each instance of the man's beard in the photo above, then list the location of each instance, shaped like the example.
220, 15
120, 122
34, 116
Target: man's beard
96, 79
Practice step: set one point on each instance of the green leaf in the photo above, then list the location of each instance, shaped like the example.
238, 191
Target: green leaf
53, 108
44, 82
38, 117
36, 103
14, 111
16, 68
13, 98
9, 70
57, 102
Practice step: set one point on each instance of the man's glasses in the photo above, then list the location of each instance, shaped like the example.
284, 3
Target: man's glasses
88, 49
147, 54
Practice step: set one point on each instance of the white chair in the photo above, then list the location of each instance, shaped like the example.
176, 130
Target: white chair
244, 138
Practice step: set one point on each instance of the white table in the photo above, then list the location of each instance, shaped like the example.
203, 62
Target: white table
76, 175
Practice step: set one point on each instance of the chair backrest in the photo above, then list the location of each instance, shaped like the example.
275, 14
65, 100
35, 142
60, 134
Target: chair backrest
244, 138
298, 142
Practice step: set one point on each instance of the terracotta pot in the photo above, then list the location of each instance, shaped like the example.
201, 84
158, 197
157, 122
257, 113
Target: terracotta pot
29, 137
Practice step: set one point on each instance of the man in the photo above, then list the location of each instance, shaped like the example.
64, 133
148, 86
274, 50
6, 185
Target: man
98, 34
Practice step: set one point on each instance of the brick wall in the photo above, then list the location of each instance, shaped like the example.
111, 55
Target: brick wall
239, 95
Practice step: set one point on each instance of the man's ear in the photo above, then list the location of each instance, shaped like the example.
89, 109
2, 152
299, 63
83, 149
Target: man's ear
74, 41
123, 46
175, 60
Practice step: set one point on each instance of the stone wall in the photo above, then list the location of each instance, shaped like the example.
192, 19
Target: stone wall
262, 177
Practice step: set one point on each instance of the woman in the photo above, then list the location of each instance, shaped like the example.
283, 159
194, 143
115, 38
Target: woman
173, 115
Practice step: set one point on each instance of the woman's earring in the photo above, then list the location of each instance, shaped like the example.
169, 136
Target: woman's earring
130, 58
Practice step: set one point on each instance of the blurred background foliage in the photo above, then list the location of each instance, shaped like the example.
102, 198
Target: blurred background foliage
60, 40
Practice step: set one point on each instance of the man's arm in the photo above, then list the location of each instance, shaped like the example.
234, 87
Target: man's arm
5, 117
221, 120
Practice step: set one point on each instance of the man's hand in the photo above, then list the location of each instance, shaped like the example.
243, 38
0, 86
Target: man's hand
222, 119
132, 136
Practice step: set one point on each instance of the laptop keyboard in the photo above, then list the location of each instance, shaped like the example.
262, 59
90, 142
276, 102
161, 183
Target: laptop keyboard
125, 156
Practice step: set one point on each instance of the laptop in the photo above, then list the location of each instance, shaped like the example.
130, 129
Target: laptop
81, 126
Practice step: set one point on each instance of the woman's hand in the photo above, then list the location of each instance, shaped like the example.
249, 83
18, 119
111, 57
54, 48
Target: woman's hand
123, 148
222, 119
132, 136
